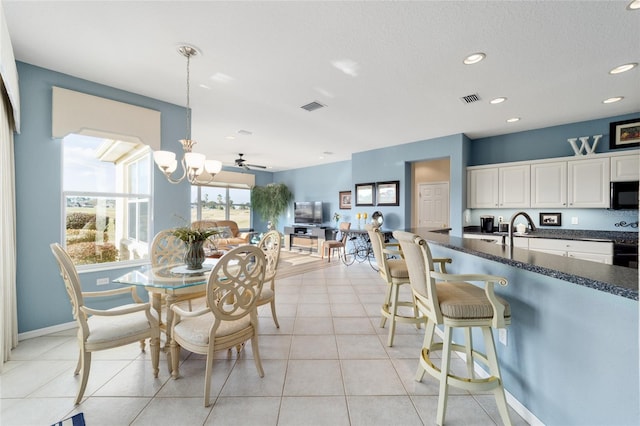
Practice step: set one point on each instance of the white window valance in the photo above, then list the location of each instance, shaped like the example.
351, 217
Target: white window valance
232, 180
75, 112
9, 72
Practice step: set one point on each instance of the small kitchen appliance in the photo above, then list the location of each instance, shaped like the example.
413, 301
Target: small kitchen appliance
486, 224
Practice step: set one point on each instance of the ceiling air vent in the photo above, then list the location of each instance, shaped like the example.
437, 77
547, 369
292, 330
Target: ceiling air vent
469, 99
312, 106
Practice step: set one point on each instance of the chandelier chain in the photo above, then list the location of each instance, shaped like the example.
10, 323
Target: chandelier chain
188, 55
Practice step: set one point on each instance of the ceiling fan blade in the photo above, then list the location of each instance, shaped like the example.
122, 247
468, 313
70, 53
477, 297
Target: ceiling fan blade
257, 166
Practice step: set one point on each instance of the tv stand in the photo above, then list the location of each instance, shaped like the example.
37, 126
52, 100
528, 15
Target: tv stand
307, 237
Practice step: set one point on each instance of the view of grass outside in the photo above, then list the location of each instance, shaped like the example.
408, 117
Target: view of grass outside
90, 231
213, 204
106, 199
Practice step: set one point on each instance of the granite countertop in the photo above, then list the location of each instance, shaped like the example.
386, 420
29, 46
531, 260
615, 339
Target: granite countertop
568, 234
611, 279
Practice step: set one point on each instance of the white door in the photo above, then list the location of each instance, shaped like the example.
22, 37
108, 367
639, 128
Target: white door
433, 205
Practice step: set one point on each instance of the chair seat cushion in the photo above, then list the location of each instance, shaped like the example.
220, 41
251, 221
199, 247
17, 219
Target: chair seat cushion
266, 294
398, 268
332, 244
105, 329
466, 301
196, 330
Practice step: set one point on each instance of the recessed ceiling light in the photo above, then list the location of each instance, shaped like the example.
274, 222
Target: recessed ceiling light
634, 5
498, 100
613, 99
474, 58
513, 119
230, 137
623, 68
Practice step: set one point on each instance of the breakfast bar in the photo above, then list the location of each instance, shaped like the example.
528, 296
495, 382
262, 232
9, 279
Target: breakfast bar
572, 346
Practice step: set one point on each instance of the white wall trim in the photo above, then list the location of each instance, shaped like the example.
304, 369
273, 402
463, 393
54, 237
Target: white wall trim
47, 330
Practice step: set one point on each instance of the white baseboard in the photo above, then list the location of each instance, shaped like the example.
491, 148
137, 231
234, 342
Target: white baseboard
47, 330
517, 406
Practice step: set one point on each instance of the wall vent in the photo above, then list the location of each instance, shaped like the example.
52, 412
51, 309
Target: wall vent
469, 99
312, 106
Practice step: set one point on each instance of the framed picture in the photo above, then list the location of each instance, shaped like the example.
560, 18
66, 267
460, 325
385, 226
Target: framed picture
387, 193
364, 194
344, 198
624, 134
550, 219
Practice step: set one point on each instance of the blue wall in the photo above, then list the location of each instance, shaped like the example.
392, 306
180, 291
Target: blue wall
318, 183
380, 165
549, 142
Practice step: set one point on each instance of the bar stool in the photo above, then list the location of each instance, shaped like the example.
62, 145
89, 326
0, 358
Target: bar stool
455, 303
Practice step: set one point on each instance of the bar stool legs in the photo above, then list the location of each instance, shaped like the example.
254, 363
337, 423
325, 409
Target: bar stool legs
493, 382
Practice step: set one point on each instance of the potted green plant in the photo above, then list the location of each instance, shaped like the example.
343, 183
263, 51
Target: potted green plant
270, 201
194, 239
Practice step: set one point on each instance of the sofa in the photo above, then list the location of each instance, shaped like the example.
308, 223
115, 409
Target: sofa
229, 233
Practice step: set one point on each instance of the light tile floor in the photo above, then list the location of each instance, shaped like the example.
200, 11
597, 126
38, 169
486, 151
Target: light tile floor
328, 364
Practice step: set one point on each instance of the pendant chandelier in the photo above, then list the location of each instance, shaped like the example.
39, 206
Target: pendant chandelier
196, 168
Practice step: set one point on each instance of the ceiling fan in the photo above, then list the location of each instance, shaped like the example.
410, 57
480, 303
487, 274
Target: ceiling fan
241, 162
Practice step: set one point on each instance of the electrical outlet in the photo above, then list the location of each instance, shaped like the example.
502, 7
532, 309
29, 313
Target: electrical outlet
500, 219
102, 281
502, 336
574, 220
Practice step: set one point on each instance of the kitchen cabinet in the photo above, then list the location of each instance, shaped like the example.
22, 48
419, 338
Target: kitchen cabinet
594, 251
501, 187
520, 242
549, 184
568, 182
482, 186
588, 183
625, 168
514, 186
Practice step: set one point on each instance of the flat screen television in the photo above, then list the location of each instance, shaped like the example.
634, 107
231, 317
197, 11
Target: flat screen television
307, 212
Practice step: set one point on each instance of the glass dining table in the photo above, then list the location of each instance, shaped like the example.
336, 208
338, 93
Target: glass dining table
173, 281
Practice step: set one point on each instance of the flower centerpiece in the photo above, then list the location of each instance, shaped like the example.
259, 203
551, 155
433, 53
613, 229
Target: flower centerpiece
336, 218
194, 239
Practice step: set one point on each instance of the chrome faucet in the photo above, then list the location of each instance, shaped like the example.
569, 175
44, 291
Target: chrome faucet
513, 218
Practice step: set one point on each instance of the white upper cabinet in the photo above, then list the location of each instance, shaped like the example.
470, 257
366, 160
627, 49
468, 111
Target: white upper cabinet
482, 187
588, 183
499, 187
569, 182
514, 186
549, 184
625, 168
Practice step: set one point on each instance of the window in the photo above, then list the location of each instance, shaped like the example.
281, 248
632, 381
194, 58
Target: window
221, 203
107, 200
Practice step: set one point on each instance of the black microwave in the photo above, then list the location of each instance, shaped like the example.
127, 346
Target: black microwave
624, 195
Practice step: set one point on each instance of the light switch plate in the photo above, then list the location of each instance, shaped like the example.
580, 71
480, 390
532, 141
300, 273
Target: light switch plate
574, 220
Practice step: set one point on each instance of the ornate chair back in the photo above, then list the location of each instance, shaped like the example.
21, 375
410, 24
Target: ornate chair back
167, 249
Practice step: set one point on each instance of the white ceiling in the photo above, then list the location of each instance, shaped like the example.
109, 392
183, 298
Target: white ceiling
549, 58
